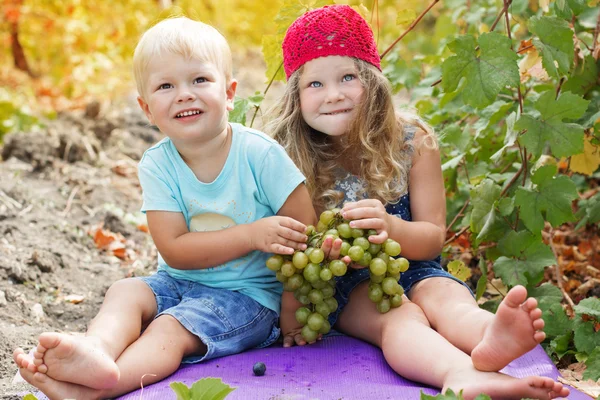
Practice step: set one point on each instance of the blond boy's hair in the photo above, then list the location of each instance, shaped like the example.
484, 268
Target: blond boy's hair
182, 36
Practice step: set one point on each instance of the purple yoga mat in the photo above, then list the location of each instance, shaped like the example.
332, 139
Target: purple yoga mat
338, 367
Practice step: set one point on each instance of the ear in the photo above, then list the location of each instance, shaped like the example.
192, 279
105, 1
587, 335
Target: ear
231, 94
146, 109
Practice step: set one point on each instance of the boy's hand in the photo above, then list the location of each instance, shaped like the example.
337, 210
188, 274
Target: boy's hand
332, 249
368, 214
279, 235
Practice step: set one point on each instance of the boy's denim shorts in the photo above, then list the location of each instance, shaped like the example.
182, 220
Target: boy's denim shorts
226, 321
417, 271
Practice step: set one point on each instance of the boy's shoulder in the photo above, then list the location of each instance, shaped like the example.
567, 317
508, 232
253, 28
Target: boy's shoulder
252, 135
157, 150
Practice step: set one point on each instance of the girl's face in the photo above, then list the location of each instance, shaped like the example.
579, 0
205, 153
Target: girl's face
330, 93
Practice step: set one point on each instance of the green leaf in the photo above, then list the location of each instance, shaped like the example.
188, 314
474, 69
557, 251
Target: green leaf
240, 110
525, 257
583, 78
483, 215
482, 282
561, 345
586, 338
449, 395
590, 211
181, 390
555, 44
565, 139
589, 307
556, 320
550, 199
203, 389
29, 396
509, 139
487, 74
593, 365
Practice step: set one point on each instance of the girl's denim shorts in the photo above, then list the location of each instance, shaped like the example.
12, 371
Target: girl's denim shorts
226, 321
418, 271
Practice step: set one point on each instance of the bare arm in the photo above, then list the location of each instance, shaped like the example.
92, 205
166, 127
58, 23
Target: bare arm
183, 249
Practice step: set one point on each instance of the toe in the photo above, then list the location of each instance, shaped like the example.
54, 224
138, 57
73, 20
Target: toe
538, 324
539, 337
535, 314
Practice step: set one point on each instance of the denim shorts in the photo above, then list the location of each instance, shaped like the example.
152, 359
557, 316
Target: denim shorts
417, 271
226, 321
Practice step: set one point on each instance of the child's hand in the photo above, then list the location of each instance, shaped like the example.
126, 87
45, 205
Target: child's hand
279, 235
368, 214
332, 249
295, 337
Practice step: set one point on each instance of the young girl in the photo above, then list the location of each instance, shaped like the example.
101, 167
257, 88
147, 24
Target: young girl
338, 123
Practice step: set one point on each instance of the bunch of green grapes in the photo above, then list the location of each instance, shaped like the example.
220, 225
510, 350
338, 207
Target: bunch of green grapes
310, 276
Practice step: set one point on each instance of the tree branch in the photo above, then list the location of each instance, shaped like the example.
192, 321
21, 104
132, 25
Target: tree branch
256, 108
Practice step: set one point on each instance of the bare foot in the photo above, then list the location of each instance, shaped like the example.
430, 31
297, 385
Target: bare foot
73, 359
54, 390
499, 386
515, 329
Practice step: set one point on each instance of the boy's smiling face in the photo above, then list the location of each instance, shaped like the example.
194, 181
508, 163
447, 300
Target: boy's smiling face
187, 99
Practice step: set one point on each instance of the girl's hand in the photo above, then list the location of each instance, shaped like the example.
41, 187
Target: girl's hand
368, 214
294, 337
332, 248
279, 235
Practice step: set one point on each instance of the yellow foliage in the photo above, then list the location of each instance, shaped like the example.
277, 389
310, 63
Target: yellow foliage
459, 270
588, 161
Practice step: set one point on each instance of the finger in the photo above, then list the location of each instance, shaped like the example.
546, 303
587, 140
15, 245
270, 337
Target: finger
336, 247
288, 341
379, 238
299, 339
326, 246
281, 249
368, 223
346, 259
292, 235
358, 204
293, 224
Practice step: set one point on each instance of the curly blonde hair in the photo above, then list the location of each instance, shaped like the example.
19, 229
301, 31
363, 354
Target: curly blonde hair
376, 141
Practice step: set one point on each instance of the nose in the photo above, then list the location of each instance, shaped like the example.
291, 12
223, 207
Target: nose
334, 94
185, 94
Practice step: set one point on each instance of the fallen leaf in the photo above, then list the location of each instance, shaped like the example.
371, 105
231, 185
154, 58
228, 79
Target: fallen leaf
587, 162
74, 298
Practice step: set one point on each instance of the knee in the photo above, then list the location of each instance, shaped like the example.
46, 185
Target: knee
414, 312
166, 328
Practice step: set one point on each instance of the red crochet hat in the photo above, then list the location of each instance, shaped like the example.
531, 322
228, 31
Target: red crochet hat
335, 30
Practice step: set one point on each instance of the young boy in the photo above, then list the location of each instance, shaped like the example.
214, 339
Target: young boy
218, 198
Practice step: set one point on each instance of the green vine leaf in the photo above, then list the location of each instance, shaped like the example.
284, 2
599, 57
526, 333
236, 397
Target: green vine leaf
593, 365
565, 139
555, 43
484, 220
203, 389
524, 258
487, 74
550, 199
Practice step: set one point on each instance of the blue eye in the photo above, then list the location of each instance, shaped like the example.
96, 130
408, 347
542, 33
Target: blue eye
315, 84
165, 86
348, 77
200, 80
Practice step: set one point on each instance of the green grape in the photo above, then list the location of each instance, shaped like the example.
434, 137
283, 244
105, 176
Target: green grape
321, 227
317, 256
336, 210
403, 264
305, 288
331, 303
374, 248
300, 260
344, 249
338, 267
308, 334
309, 250
315, 296
310, 230
287, 269
326, 274
376, 278
400, 290
355, 253
323, 309
295, 281
344, 230
280, 277
390, 286
315, 321
274, 262
375, 293
365, 260
384, 256
302, 315
357, 232
287, 287
362, 242
326, 217
303, 299
378, 266
311, 272
333, 232
384, 305
393, 266
314, 242
371, 232
328, 291
325, 328
396, 300
395, 276
320, 284
392, 247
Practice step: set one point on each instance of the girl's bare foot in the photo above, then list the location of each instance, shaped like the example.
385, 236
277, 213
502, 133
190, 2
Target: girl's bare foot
56, 390
515, 329
499, 386
72, 359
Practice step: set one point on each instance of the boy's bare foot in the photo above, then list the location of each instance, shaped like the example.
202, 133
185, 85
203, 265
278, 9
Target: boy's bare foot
514, 331
499, 386
73, 359
54, 390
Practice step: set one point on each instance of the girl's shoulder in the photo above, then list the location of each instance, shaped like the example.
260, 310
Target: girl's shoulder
416, 132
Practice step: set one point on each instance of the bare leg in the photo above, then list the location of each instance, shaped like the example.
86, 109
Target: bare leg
153, 357
493, 340
416, 351
90, 360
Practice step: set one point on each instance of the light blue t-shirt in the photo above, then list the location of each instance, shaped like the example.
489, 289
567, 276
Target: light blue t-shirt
256, 180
